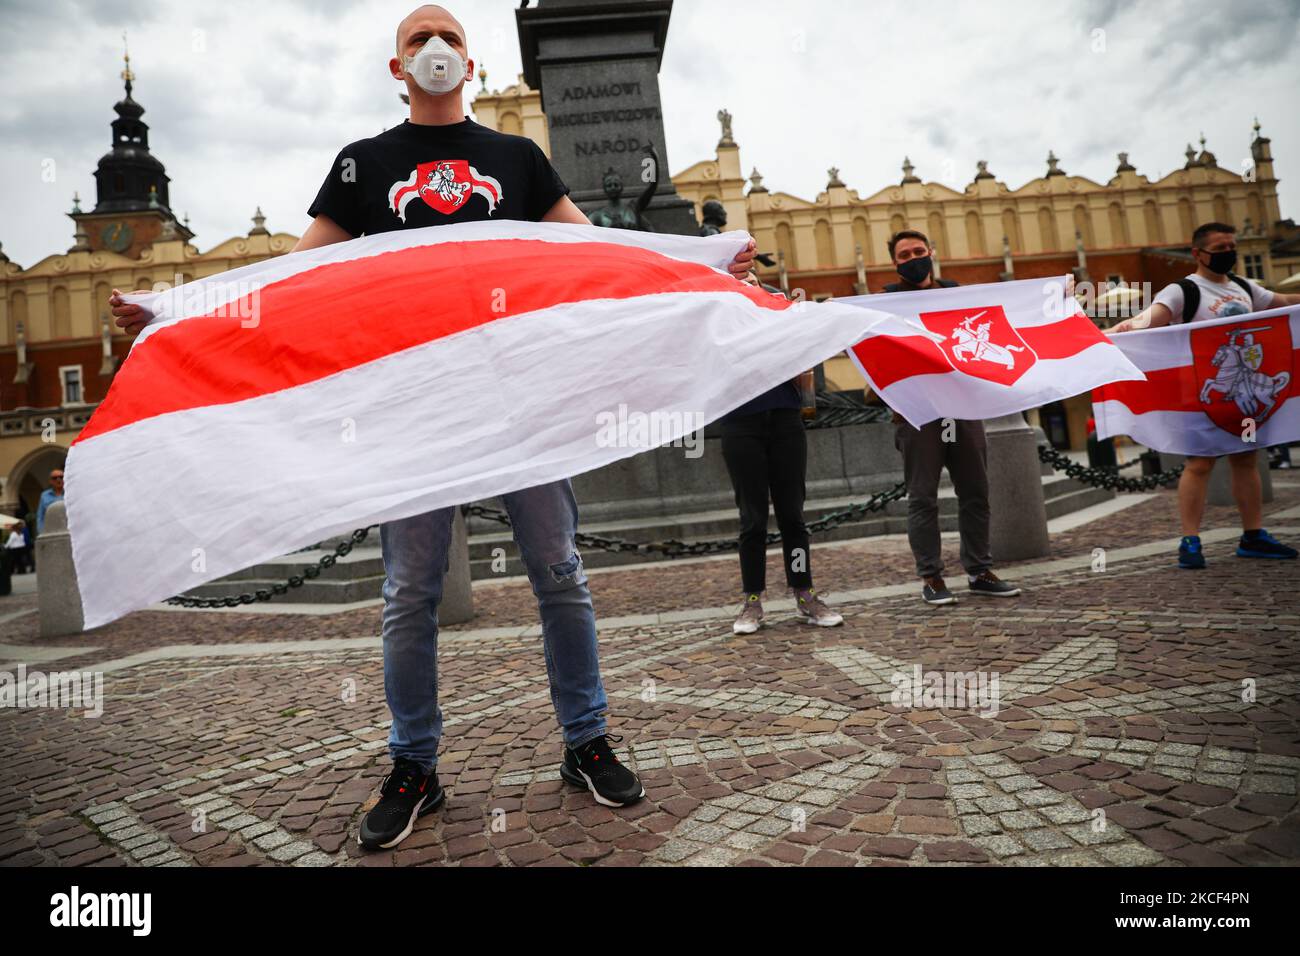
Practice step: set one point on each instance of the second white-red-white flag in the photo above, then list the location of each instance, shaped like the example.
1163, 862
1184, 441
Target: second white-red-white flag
981, 351
1212, 388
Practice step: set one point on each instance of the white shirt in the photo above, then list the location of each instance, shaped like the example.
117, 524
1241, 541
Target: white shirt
1218, 299
15, 540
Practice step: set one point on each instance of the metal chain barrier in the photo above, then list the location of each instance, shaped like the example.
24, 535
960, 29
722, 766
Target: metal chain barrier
1106, 477
672, 548
277, 590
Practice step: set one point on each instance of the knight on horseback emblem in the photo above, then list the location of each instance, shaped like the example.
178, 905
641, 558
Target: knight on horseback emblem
973, 344
1238, 378
981, 342
441, 181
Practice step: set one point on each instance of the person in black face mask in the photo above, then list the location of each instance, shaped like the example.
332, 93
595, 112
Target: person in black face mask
957, 445
1214, 292
914, 259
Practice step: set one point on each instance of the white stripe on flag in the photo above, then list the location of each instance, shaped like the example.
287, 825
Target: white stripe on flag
500, 407
1193, 433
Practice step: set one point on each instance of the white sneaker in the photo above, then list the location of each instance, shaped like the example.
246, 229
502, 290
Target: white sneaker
751, 616
814, 610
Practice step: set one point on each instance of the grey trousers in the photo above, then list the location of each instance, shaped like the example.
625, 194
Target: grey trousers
925, 455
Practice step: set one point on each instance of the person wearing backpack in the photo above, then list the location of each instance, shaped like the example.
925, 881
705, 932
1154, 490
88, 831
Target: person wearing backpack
1213, 291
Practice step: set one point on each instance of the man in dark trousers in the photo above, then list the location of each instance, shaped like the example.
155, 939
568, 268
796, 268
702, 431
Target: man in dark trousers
765, 449
440, 167
958, 445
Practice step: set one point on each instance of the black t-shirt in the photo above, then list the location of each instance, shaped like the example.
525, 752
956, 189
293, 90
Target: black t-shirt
412, 176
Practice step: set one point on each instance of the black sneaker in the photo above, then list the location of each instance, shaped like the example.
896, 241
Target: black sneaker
936, 592
594, 767
1261, 544
990, 585
406, 794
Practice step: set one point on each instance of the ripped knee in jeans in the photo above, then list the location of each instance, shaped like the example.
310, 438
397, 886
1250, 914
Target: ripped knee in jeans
566, 572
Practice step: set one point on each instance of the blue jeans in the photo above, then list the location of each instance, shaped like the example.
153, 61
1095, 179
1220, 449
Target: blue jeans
545, 520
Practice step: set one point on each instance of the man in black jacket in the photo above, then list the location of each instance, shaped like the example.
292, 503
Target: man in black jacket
959, 445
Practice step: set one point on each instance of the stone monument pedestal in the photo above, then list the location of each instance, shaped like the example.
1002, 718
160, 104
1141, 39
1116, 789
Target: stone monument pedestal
596, 65
58, 597
457, 605
1018, 526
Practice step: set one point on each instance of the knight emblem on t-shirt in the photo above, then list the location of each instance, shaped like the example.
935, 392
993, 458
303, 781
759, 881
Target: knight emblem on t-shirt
445, 186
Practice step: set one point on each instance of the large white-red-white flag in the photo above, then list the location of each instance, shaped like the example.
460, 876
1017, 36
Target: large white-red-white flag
980, 351
279, 404
1211, 388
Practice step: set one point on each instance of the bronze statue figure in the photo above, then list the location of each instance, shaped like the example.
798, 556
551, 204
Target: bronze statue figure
715, 218
619, 215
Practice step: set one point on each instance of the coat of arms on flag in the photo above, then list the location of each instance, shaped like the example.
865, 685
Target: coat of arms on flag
445, 186
1245, 372
981, 342
1207, 383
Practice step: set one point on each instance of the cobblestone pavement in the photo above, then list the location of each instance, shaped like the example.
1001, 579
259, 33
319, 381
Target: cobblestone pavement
1145, 716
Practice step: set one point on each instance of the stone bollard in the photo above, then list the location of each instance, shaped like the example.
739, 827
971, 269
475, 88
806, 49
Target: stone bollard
56, 577
1220, 490
457, 604
1019, 515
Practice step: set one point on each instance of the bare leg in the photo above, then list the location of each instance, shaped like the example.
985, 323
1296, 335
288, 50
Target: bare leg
1191, 492
1247, 489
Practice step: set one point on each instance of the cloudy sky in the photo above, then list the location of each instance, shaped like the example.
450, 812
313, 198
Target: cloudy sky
248, 102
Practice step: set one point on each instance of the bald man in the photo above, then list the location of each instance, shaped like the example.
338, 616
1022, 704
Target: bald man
440, 167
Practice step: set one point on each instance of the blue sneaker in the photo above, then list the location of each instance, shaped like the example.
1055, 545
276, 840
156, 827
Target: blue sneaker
1190, 555
1263, 545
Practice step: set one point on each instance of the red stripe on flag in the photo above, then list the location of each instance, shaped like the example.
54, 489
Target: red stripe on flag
1064, 339
1175, 389
323, 320
1167, 389
891, 358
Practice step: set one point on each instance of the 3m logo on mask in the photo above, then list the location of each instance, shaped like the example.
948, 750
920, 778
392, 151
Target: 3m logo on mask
437, 68
445, 186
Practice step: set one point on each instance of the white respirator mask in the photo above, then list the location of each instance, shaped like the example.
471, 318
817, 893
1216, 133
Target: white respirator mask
437, 68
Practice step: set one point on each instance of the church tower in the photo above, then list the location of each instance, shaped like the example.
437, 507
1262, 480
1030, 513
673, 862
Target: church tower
132, 206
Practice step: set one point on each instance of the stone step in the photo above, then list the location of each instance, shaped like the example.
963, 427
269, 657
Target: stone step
324, 590
1062, 496
1068, 501
364, 560
357, 576
486, 534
